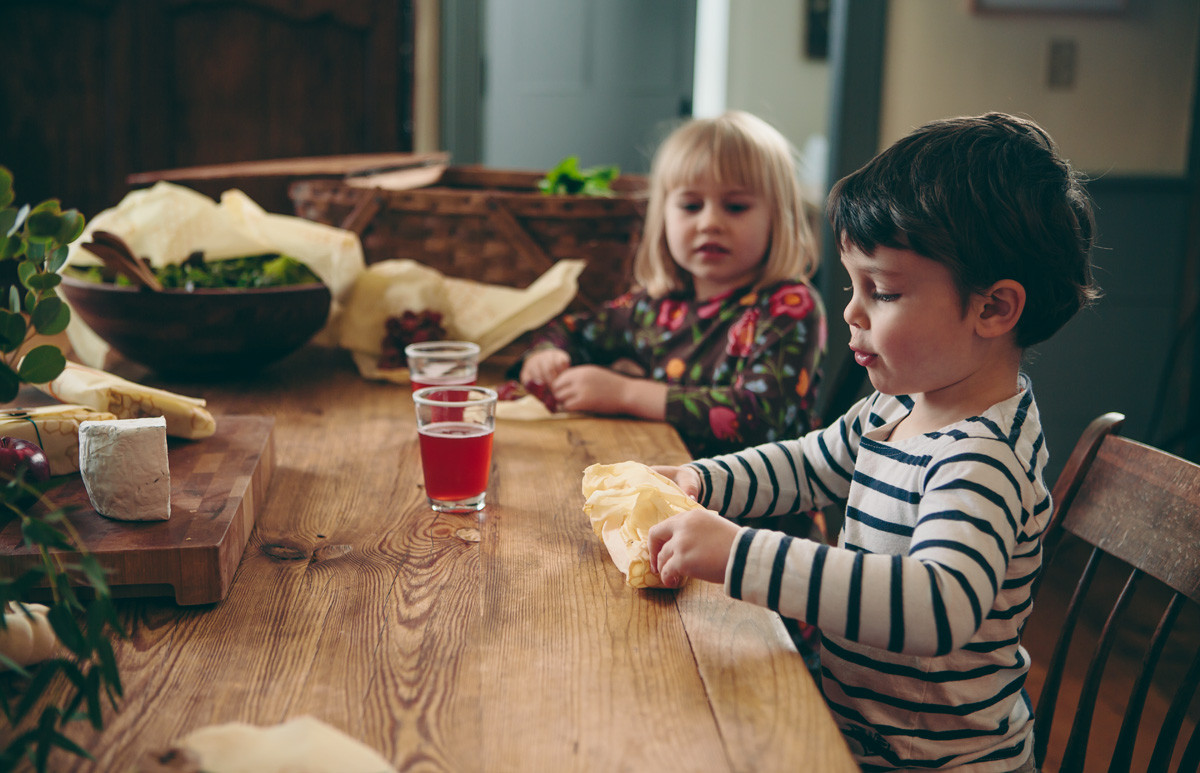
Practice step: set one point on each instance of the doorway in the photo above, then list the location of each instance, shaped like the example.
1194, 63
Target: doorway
603, 80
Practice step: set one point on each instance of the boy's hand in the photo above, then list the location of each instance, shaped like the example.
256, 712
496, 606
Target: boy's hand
683, 476
692, 544
544, 365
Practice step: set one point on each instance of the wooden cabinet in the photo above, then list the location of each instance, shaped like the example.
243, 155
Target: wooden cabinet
93, 90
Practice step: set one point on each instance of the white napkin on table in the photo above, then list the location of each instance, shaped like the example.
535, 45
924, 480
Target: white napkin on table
301, 745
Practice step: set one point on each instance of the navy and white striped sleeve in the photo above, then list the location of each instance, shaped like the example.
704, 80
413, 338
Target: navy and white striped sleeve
927, 601
788, 476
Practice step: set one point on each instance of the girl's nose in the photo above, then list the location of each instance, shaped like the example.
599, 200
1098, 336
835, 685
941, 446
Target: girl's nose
710, 217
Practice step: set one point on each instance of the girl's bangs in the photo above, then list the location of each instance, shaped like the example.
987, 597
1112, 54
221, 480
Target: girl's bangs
723, 160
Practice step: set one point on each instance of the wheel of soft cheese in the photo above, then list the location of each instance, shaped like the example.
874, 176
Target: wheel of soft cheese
124, 468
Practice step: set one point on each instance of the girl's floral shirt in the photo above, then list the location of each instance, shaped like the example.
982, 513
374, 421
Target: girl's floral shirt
741, 369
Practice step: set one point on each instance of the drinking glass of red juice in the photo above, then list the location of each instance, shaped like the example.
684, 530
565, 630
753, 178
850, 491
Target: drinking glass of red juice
456, 425
442, 363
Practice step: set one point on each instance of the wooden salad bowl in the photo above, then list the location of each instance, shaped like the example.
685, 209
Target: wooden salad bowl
202, 332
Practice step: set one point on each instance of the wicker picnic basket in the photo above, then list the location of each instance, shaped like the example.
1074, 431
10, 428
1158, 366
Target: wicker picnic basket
489, 225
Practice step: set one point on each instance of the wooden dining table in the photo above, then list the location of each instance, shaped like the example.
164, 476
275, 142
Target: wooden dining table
503, 641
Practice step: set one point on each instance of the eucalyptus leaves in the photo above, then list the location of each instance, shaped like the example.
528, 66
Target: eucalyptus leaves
35, 242
33, 246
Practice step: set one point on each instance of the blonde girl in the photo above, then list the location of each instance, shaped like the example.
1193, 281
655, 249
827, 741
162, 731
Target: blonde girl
722, 334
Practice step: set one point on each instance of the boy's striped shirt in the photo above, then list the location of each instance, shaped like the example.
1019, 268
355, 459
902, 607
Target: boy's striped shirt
921, 605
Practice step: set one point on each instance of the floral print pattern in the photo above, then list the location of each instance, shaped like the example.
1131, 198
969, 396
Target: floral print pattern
741, 369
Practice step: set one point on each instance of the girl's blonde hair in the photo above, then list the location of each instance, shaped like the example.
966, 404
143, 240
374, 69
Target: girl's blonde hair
735, 149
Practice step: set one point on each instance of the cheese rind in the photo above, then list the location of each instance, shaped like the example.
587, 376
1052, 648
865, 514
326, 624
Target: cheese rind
125, 469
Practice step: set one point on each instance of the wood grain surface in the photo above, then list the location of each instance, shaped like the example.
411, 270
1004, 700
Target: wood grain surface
451, 643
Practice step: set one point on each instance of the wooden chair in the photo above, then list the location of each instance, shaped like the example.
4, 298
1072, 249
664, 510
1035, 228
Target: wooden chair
1126, 504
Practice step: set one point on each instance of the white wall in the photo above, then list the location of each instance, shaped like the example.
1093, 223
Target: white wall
769, 75
1128, 113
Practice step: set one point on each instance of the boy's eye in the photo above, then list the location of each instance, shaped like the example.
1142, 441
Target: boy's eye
885, 297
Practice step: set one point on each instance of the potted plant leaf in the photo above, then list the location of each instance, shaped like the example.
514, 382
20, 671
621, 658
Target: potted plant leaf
33, 247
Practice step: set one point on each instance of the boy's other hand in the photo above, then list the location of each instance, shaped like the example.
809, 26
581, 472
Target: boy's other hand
544, 365
683, 476
695, 543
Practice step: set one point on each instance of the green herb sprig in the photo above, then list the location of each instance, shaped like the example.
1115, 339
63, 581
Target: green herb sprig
568, 178
33, 247
89, 666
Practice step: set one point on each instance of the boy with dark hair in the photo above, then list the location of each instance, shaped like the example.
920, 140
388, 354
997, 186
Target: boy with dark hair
965, 242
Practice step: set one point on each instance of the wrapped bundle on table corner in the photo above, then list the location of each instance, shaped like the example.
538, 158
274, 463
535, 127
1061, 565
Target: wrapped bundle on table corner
54, 428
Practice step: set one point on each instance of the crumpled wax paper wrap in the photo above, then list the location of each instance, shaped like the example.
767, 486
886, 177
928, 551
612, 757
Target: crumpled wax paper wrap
168, 222
27, 637
301, 745
55, 429
489, 315
529, 408
623, 501
186, 417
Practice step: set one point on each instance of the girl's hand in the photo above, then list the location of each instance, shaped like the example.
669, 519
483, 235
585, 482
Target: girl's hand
544, 365
695, 543
683, 476
595, 389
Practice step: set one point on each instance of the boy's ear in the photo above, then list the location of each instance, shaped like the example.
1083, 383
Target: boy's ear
1000, 308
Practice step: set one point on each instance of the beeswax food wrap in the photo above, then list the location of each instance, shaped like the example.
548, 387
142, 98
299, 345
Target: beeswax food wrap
301, 745
187, 417
527, 408
27, 637
55, 429
624, 501
168, 222
489, 315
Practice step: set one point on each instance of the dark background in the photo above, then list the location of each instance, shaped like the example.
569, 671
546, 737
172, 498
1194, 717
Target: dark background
94, 90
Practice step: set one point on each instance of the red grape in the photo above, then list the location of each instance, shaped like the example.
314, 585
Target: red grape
15, 452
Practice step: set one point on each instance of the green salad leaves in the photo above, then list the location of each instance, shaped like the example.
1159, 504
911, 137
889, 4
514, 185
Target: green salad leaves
269, 270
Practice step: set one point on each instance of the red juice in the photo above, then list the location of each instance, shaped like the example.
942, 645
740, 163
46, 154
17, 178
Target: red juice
456, 458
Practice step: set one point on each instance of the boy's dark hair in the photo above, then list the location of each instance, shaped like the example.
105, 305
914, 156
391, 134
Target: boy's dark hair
990, 198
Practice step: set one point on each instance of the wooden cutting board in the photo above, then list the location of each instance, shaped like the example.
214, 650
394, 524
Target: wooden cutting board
218, 487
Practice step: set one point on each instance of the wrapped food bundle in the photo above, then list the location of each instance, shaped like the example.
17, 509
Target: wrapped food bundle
491, 316
27, 636
186, 417
624, 501
54, 428
302, 744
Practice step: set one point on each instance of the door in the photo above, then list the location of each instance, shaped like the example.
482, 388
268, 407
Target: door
603, 80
